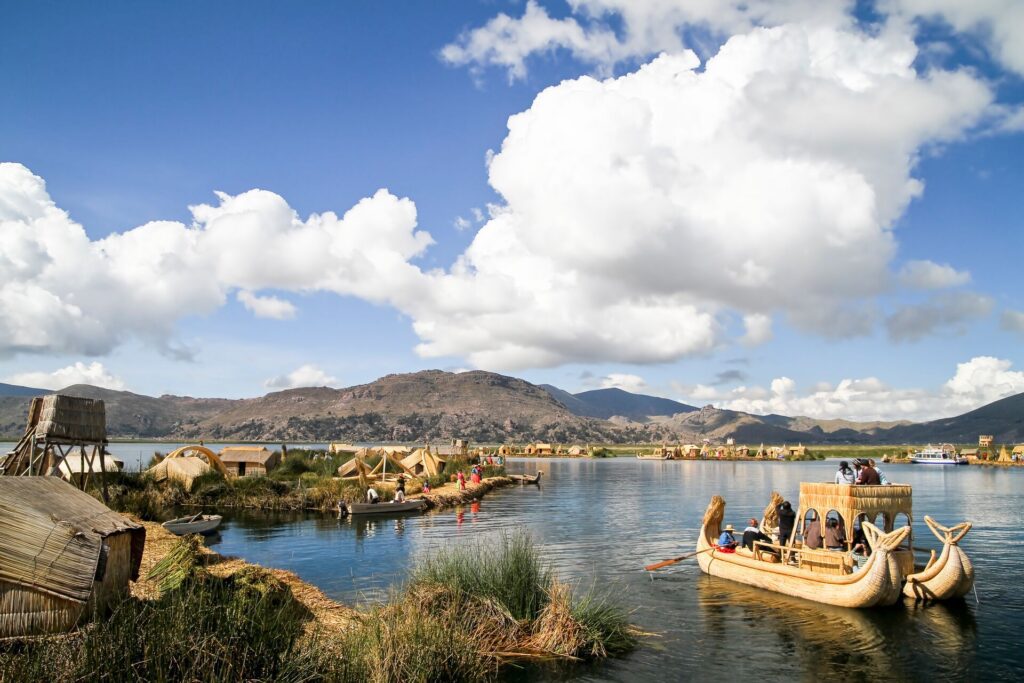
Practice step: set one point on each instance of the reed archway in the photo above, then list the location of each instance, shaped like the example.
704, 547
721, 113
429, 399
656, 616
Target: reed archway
200, 452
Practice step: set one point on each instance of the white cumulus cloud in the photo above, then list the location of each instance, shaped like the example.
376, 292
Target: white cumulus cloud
632, 383
79, 373
266, 306
305, 376
931, 275
975, 383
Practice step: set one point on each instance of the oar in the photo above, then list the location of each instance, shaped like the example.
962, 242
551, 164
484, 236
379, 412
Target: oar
665, 563
196, 517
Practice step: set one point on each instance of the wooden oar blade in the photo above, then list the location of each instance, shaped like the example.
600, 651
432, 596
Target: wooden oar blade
665, 563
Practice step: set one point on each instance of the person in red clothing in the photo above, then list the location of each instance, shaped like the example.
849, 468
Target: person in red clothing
866, 474
462, 480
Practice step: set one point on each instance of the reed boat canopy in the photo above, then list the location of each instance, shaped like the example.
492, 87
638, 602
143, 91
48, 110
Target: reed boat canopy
851, 501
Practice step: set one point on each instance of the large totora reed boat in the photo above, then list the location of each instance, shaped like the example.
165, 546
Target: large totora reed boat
835, 577
948, 576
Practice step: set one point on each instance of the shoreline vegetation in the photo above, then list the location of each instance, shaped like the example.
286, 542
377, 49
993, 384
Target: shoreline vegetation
464, 614
305, 480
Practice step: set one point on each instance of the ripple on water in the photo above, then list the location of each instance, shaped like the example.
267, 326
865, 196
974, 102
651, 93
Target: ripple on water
600, 522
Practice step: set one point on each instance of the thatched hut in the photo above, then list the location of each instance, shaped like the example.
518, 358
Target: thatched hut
73, 467
423, 463
343, 449
505, 449
1017, 452
577, 450
184, 470
65, 556
249, 461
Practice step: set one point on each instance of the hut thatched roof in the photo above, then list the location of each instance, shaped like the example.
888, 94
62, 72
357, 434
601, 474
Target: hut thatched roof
850, 501
52, 536
254, 454
74, 465
184, 469
71, 418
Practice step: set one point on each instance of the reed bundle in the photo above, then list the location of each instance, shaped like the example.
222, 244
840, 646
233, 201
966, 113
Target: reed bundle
179, 564
770, 518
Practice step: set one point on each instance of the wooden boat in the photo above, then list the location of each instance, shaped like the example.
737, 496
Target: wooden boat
526, 478
392, 508
947, 577
821, 575
194, 524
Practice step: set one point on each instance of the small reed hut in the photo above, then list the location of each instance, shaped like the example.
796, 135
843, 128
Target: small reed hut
64, 556
249, 461
423, 463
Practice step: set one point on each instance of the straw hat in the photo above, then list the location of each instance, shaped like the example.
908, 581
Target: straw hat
729, 527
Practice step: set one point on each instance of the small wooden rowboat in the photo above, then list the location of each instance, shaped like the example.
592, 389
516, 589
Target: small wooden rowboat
195, 524
391, 508
526, 478
818, 575
949, 576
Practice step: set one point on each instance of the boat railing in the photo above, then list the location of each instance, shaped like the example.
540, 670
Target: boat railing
816, 560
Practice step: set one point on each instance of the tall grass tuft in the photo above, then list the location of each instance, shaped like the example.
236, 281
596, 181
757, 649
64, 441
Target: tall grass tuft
510, 573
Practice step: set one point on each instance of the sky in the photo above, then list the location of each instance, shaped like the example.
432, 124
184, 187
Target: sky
804, 207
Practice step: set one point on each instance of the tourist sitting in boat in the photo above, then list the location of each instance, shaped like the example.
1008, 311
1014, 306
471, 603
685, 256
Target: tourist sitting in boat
372, 496
834, 536
753, 534
812, 534
400, 491
881, 475
726, 541
787, 520
866, 474
845, 475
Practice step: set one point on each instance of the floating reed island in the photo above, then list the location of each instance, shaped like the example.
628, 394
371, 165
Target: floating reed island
464, 614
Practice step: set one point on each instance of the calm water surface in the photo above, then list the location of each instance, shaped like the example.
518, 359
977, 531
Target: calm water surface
601, 521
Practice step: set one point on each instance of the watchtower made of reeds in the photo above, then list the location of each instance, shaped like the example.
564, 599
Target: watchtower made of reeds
58, 426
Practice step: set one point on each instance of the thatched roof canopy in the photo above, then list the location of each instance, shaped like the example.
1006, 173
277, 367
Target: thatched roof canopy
247, 454
52, 535
850, 501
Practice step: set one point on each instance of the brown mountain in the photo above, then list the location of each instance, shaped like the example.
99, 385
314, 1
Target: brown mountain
486, 407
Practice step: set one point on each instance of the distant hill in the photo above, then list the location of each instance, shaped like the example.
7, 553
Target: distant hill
15, 390
435, 406
607, 403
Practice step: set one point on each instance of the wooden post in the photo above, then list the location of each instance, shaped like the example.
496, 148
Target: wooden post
103, 472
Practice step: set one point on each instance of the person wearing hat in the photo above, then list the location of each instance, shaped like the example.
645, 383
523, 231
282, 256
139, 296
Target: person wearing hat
727, 542
845, 475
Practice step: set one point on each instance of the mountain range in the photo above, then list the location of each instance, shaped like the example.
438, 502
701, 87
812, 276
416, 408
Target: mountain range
486, 407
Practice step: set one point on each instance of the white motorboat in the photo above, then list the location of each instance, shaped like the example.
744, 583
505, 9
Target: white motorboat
196, 524
943, 455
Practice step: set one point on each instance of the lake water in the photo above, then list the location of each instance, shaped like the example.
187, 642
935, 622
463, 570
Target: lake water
600, 521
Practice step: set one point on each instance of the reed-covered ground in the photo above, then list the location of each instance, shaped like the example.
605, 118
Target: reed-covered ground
305, 480
463, 615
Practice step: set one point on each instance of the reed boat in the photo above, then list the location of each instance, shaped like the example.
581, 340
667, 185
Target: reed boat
654, 456
391, 508
948, 576
825, 576
527, 478
195, 524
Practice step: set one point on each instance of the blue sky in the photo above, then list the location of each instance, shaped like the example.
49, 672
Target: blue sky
133, 112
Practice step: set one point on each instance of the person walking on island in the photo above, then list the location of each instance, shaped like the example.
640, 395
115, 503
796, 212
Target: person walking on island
868, 475
787, 520
845, 475
462, 480
726, 541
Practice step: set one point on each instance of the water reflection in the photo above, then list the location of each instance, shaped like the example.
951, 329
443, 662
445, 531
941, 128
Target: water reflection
599, 522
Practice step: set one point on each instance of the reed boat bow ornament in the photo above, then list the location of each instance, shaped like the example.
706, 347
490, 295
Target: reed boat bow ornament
951, 574
818, 575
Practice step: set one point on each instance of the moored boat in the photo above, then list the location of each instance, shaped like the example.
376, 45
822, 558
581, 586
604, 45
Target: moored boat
527, 478
391, 508
943, 455
654, 456
195, 524
948, 576
830, 577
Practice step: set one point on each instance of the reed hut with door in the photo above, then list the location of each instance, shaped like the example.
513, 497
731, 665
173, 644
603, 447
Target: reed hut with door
249, 461
185, 464
65, 556
576, 450
505, 449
